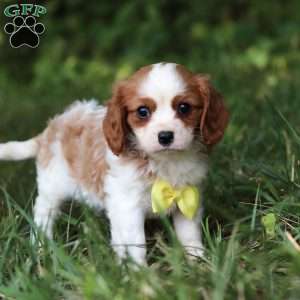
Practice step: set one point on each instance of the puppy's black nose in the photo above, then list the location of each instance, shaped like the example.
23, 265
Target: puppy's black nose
165, 138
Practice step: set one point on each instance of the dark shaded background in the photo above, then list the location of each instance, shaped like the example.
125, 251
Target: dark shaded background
88, 45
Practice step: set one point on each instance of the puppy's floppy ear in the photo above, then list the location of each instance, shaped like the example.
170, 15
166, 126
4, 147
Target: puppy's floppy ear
114, 123
214, 117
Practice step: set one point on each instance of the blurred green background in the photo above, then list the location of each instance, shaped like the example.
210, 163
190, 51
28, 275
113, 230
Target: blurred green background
251, 49
88, 45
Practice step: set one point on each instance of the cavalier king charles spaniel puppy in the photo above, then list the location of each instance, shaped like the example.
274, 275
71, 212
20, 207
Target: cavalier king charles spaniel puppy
142, 155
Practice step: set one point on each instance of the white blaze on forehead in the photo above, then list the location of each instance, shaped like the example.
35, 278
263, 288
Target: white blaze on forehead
162, 83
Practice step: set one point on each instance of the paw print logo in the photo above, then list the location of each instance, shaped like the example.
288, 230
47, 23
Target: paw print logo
24, 32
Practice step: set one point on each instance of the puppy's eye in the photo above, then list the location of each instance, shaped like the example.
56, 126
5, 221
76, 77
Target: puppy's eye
184, 108
143, 112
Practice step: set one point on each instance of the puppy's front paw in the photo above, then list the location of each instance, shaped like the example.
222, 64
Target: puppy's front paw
194, 252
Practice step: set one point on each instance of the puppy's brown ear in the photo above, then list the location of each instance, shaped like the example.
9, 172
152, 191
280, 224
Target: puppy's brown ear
114, 123
214, 117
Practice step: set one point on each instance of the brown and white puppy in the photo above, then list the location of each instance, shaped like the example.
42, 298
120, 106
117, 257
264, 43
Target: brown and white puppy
159, 123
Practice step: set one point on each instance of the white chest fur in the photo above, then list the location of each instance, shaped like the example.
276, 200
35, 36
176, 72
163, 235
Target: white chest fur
127, 184
180, 168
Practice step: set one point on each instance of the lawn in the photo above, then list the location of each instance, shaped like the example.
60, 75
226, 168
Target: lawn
254, 61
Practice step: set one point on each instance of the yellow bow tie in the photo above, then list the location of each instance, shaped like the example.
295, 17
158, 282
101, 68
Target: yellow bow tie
163, 195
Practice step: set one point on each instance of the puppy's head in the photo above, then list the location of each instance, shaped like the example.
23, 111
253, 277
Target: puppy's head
164, 107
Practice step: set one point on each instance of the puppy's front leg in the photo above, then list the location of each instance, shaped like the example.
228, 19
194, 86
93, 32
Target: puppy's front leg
189, 234
127, 220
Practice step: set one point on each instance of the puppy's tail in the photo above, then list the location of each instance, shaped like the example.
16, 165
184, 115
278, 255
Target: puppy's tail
19, 150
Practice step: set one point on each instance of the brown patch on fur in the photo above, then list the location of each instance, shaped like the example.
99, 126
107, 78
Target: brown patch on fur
132, 118
190, 119
83, 146
136, 102
46, 139
115, 126
214, 116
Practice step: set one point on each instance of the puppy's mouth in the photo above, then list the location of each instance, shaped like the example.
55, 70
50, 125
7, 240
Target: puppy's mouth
170, 149
167, 150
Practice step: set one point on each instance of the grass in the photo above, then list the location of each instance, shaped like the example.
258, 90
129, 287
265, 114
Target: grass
254, 172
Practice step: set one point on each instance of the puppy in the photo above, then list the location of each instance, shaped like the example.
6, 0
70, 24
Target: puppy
142, 155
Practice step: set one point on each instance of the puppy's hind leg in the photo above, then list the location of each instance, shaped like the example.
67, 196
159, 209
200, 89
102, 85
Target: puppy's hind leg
54, 187
46, 209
